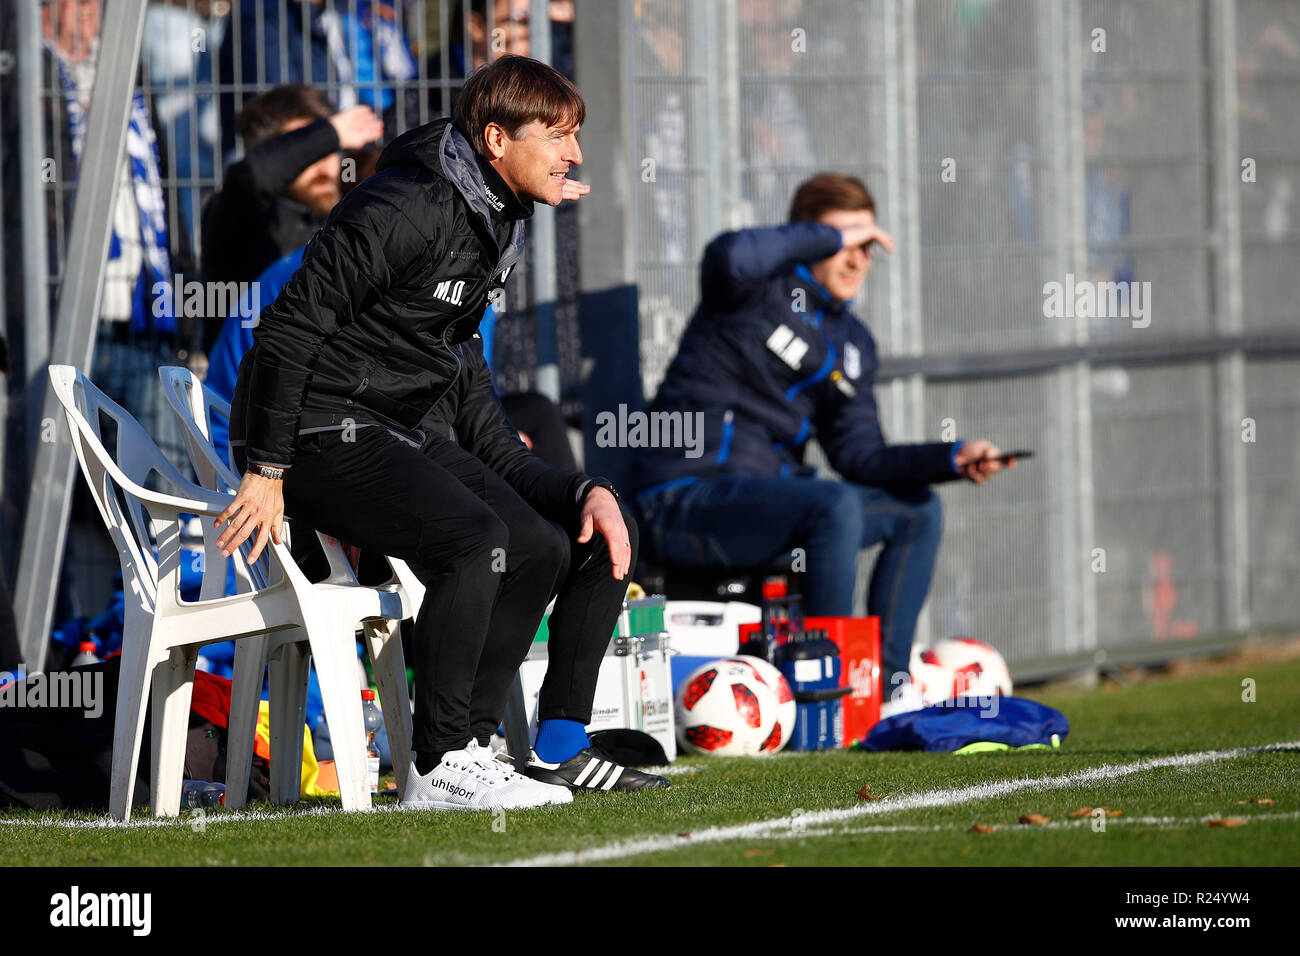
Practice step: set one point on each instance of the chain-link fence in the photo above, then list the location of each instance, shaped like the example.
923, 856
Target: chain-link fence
201, 62
1150, 148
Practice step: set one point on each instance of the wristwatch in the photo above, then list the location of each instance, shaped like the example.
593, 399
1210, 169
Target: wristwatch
599, 483
266, 471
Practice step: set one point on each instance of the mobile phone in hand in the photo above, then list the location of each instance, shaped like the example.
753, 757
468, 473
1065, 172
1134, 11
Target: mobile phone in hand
1006, 456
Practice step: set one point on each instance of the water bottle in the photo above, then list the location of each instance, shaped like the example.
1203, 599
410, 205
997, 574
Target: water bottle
373, 721
201, 793
85, 654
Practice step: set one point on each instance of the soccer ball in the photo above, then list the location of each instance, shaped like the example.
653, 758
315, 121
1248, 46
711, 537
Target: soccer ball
977, 668
785, 706
732, 707
932, 680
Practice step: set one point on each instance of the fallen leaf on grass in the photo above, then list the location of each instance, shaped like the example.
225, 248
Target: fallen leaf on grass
759, 852
1082, 812
1035, 819
686, 835
981, 828
1226, 822
1113, 813
863, 794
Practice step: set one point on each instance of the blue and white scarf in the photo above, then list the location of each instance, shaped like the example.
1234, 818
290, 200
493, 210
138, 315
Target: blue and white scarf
151, 300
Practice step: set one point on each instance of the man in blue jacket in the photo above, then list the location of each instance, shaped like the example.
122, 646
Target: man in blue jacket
773, 357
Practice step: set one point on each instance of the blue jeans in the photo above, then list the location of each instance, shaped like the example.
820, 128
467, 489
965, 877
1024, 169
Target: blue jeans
742, 521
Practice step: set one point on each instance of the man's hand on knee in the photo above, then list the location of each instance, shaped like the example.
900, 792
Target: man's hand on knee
600, 512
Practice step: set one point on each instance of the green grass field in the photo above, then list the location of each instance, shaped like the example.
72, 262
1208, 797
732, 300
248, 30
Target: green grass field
1162, 751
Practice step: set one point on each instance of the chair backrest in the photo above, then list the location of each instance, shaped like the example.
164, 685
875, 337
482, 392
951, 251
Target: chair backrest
127, 472
196, 406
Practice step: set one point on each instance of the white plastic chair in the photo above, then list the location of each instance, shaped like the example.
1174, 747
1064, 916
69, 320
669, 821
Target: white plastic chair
162, 633
196, 406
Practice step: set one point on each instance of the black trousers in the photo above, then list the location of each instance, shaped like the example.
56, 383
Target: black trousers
489, 562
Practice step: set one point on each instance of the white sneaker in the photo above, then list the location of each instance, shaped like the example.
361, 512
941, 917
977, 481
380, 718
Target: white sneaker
471, 779
903, 700
545, 792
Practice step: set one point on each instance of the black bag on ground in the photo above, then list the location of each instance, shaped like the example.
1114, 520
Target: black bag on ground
61, 757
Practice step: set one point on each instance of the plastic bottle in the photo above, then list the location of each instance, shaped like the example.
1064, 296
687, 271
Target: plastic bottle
201, 793
85, 654
373, 721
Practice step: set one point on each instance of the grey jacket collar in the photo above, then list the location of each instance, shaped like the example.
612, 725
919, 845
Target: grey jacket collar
461, 169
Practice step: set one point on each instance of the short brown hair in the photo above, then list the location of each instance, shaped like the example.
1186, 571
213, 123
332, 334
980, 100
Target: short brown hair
263, 118
512, 92
827, 191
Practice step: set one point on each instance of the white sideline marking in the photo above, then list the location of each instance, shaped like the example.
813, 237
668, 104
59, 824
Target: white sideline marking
934, 798
714, 834
1168, 822
212, 816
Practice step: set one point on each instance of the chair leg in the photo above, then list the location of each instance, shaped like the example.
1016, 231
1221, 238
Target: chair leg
384, 644
288, 712
173, 689
128, 726
245, 692
336, 669
516, 725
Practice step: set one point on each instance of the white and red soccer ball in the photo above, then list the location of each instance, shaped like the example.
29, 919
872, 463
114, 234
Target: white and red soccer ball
959, 667
735, 706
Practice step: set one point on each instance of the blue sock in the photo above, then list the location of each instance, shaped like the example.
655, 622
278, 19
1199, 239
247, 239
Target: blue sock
558, 740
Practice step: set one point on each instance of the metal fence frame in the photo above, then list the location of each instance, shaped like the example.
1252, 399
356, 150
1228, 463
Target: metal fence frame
616, 256
910, 372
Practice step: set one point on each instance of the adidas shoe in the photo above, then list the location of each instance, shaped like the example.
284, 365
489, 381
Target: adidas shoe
590, 769
471, 779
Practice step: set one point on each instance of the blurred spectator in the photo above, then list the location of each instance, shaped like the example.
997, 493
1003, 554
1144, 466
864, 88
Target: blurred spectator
137, 327
779, 146
180, 40
274, 199
772, 357
356, 49
508, 32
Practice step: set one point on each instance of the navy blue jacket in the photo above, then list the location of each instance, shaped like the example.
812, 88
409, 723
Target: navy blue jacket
772, 359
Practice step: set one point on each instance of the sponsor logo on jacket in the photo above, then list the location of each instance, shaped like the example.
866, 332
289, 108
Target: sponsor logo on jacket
788, 347
852, 361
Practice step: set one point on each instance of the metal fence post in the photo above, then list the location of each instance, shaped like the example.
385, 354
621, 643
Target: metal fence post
542, 235
1076, 242
46, 522
36, 266
1230, 369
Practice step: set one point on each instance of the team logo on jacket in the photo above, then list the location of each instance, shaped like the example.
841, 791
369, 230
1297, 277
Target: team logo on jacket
852, 360
788, 347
